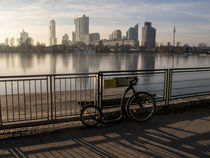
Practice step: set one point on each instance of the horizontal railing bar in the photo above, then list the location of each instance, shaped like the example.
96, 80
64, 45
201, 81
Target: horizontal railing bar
196, 93
134, 74
23, 120
72, 74
152, 83
105, 72
192, 95
24, 76
39, 123
193, 70
179, 73
188, 68
75, 77
43, 75
195, 80
190, 87
44, 79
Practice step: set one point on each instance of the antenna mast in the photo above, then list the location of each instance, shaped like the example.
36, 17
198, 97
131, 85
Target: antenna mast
174, 35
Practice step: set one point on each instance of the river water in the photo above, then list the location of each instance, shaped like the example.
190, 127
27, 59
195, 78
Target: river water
44, 63
55, 63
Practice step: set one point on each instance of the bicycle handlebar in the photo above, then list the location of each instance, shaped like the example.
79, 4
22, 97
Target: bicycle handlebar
134, 81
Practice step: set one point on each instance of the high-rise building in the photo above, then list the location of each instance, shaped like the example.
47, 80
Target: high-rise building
148, 35
53, 39
110, 37
133, 34
81, 28
136, 33
117, 35
73, 37
130, 33
94, 37
65, 39
25, 39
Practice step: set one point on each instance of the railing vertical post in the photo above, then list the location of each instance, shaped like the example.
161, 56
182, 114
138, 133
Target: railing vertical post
100, 78
170, 83
0, 113
95, 89
167, 86
52, 98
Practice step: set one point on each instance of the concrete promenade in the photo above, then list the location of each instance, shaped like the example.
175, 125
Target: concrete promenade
185, 134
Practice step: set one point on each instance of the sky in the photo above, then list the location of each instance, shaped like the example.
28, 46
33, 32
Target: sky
191, 17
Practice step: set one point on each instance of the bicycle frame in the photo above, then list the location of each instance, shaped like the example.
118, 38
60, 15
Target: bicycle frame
122, 104
123, 99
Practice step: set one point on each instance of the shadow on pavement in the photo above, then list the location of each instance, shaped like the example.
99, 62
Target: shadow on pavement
176, 135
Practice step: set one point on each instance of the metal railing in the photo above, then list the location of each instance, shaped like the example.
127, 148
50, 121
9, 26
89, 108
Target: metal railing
44, 99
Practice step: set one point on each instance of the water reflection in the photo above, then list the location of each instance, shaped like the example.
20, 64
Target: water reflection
43, 63
53, 63
147, 63
41, 58
26, 61
80, 63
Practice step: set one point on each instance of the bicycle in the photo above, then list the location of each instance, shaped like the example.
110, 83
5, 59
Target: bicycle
140, 107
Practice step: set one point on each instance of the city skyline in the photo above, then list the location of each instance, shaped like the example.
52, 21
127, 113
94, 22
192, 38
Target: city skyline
192, 18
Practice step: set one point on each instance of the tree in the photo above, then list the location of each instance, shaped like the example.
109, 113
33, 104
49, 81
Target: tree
12, 41
29, 41
168, 44
6, 41
178, 44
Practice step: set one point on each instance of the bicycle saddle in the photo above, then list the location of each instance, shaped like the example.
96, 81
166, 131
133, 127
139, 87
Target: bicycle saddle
134, 81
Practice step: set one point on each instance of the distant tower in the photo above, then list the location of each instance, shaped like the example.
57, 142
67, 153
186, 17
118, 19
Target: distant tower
174, 35
53, 39
148, 35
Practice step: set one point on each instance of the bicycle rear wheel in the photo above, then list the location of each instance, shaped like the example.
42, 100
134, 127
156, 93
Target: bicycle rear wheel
90, 115
141, 106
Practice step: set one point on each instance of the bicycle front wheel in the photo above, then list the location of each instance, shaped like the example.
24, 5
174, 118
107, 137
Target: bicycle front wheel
141, 106
90, 115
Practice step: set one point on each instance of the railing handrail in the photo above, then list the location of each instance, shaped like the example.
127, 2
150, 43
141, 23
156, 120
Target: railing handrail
44, 75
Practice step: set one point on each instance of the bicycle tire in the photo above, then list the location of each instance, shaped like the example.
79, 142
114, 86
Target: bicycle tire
90, 115
141, 106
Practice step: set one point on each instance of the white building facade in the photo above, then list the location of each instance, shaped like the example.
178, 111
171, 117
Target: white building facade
52, 38
81, 29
